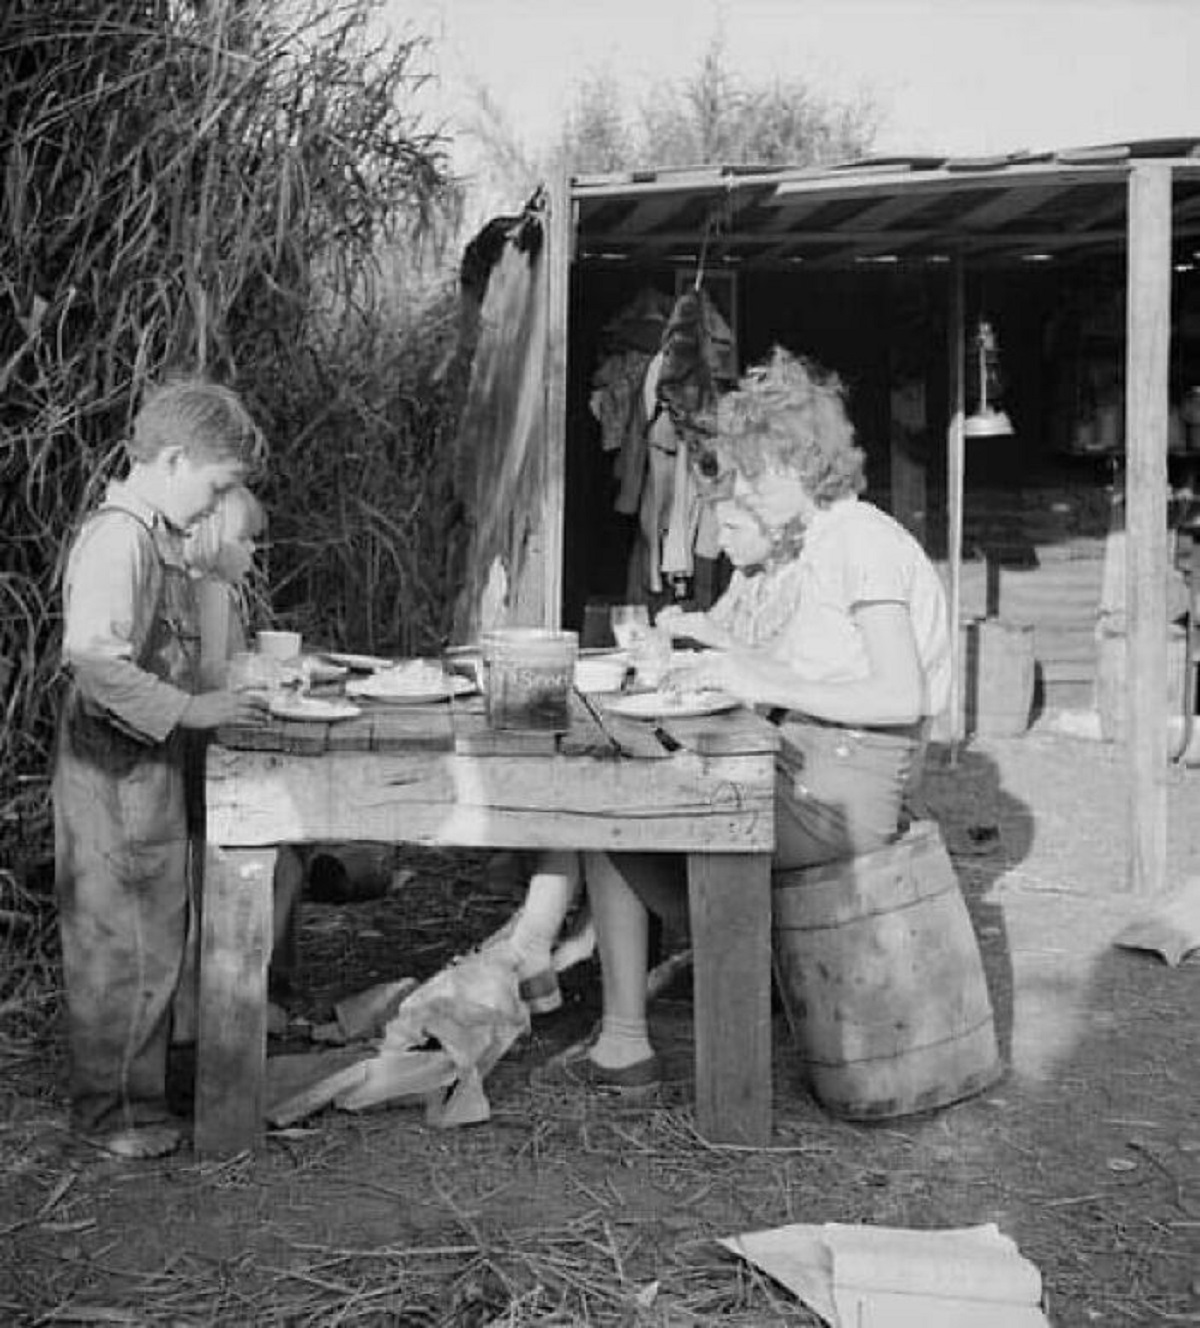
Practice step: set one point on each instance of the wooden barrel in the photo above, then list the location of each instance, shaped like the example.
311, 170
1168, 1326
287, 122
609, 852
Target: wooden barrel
883, 981
1111, 685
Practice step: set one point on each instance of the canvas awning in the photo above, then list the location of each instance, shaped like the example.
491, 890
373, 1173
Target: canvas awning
1010, 209
1136, 203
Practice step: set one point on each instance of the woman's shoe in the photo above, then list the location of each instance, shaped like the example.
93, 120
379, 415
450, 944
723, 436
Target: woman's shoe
137, 1141
636, 1080
540, 992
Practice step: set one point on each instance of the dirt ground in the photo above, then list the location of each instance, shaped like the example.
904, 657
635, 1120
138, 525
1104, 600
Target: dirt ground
565, 1209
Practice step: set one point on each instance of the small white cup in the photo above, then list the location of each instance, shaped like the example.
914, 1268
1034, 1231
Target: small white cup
279, 645
651, 656
602, 674
248, 671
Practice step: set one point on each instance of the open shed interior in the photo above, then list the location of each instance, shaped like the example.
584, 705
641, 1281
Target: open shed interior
856, 268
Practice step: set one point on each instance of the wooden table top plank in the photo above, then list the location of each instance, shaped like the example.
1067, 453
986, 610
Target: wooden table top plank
632, 737
302, 738
729, 733
474, 737
461, 725
586, 736
431, 797
401, 728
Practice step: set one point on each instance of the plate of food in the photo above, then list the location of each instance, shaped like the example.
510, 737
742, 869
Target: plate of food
414, 682
672, 704
357, 663
315, 709
321, 669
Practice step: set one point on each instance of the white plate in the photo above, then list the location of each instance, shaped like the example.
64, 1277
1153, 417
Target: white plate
665, 705
313, 708
359, 663
374, 688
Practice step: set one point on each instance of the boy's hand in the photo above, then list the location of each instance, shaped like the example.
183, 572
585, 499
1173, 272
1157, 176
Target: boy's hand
210, 710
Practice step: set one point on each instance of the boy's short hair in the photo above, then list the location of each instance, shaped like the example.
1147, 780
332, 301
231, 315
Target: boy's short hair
207, 420
237, 509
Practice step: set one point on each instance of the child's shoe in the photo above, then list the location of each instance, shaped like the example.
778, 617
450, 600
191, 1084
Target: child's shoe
540, 991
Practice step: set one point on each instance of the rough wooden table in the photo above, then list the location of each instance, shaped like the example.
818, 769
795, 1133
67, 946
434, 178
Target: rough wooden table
436, 774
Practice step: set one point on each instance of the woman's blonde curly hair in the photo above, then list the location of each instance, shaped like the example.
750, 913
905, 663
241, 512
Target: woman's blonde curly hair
790, 415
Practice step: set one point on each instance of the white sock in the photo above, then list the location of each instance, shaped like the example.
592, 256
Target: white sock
577, 947
621, 1042
547, 902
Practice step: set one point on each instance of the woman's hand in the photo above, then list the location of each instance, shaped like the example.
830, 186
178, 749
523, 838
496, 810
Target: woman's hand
692, 627
210, 710
732, 671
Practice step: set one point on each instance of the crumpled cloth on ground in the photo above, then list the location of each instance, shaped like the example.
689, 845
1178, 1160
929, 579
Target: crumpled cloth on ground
1171, 929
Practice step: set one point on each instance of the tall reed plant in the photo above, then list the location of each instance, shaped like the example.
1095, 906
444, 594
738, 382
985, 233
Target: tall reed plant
228, 186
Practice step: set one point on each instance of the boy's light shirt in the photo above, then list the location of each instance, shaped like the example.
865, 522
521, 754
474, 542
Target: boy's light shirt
110, 599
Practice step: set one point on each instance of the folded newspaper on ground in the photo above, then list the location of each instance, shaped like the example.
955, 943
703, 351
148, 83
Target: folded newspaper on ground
1171, 928
889, 1277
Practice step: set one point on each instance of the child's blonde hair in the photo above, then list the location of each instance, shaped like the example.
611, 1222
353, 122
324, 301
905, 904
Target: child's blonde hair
207, 420
237, 509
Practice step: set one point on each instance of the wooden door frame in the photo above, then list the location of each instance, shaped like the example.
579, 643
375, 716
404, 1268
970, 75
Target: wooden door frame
1147, 356
560, 247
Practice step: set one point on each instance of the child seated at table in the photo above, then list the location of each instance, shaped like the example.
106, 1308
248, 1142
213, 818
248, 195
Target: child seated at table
834, 626
549, 897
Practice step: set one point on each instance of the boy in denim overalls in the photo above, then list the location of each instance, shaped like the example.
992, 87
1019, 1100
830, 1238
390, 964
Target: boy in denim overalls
120, 818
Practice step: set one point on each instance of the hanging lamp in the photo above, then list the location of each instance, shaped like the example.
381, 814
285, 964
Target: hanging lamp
988, 419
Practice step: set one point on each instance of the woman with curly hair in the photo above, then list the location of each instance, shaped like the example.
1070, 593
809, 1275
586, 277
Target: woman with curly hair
834, 625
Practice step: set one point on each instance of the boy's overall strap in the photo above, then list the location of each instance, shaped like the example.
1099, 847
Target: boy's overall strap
110, 508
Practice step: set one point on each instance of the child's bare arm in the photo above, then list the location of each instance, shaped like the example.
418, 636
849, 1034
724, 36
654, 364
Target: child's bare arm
210, 710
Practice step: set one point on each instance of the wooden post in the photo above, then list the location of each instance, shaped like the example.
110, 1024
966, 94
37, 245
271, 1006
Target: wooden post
231, 1046
729, 902
907, 428
955, 468
559, 244
1147, 352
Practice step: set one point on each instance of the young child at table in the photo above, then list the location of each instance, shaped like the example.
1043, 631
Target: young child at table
120, 815
219, 552
554, 886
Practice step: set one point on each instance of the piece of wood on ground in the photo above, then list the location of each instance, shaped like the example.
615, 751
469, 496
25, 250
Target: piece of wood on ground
662, 975
299, 1086
397, 1077
365, 1013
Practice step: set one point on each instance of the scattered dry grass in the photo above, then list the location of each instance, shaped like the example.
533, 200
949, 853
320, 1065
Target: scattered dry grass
569, 1210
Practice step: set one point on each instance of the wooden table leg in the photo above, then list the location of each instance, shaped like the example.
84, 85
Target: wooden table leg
231, 1044
729, 899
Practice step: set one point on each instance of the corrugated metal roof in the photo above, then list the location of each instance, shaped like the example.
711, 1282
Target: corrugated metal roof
997, 209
